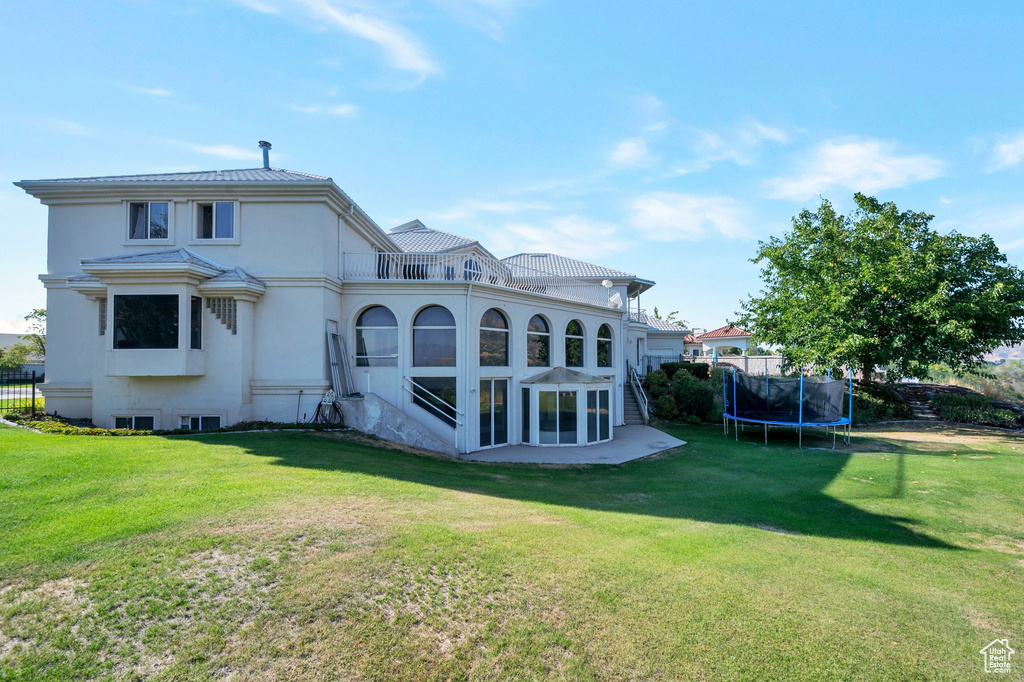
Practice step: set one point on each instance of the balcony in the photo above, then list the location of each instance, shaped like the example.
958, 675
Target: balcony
442, 267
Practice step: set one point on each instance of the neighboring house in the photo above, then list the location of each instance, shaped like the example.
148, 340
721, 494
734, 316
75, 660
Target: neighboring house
202, 299
729, 336
34, 364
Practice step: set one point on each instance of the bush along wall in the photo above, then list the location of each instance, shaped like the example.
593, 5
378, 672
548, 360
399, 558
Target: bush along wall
972, 409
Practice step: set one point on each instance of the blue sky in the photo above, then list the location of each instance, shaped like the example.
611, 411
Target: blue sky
660, 138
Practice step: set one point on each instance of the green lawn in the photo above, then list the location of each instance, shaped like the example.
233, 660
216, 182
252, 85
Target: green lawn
314, 556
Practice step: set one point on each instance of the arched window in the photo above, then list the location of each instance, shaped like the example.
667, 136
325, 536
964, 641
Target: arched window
574, 344
604, 346
433, 338
376, 338
538, 343
493, 339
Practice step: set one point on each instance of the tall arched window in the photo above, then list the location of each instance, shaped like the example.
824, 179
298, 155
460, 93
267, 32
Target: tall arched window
376, 338
538, 342
493, 339
604, 346
574, 344
433, 338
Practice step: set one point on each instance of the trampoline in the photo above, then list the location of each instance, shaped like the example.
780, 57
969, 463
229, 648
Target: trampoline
787, 401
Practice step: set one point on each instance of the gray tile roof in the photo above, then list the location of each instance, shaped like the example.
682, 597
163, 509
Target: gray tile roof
563, 375
415, 237
656, 324
239, 175
562, 266
171, 256
234, 275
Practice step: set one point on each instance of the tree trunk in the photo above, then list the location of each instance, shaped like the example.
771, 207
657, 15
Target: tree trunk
866, 370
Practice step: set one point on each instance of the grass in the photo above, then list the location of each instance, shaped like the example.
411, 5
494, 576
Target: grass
318, 556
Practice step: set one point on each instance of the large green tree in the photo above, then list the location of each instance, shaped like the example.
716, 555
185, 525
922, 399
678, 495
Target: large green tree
880, 288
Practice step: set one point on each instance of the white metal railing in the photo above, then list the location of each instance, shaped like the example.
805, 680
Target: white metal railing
446, 267
638, 391
454, 421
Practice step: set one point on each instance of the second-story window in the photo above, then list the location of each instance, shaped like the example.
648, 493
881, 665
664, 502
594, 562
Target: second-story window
148, 219
433, 338
574, 344
604, 346
215, 220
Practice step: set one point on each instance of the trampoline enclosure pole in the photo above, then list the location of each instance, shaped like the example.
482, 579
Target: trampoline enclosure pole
734, 410
800, 428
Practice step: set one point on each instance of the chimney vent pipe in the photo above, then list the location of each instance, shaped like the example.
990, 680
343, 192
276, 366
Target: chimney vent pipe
265, 146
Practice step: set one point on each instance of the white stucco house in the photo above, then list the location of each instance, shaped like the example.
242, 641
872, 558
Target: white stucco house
202, 299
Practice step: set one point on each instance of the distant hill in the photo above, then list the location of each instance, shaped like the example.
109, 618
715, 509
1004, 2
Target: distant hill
1006, 353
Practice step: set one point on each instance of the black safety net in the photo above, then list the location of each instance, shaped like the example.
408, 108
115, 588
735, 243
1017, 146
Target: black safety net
778, 399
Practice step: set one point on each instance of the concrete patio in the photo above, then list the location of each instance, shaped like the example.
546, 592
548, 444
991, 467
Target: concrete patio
629, 443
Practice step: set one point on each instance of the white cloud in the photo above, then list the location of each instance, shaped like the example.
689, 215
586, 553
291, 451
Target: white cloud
1009, 152
155, 92
491, 17
740, 143
570, 235
669, 216
401, 49
64, 126
335, 110
630, 152
471, 208
226, 151
859, 166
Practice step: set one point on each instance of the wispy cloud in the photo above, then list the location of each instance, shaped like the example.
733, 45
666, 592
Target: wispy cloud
1009, 152
63, 126
571, 235
740, 143
471, 208
491, 17
401, 49
333, 110
856, 165
670, 216
155, 92
225, 151
630, 152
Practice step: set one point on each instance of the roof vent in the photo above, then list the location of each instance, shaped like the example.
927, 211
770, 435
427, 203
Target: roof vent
265, 146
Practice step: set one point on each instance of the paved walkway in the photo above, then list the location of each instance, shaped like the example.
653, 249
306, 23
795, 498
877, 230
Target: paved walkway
630, 442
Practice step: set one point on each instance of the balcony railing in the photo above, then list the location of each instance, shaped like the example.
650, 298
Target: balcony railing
442, 267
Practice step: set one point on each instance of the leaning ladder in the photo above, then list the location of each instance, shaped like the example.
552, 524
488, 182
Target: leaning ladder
341, 373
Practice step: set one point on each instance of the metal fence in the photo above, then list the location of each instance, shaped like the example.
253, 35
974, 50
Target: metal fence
18, 392
773, 365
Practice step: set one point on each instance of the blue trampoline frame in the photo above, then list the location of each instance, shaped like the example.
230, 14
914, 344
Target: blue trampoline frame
845, 422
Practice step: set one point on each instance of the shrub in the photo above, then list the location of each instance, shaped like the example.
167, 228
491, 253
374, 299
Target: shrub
658, 390
656, 378
972, 409
665, 407
697, 369
670, 368
876, 402
693, 397
715, 378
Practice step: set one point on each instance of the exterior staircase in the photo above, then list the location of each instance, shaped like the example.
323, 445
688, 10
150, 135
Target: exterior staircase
919, 399
631, 410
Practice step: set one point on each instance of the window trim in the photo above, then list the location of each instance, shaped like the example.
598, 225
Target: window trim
126, 207
193, 230
200, 416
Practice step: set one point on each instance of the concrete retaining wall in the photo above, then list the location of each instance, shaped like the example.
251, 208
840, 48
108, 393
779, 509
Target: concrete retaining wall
372, 414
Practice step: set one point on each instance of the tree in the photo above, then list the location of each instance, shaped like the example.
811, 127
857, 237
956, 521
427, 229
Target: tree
12, 357
881, 288
671, 317
36, 337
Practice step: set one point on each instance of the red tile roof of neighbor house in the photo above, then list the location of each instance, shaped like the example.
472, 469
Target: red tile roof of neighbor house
689, 338
727, 332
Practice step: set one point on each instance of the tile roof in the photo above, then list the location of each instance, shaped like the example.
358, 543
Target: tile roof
171, 256
238, 175
689, 338
563, 375
415, 237
656, 324
234, 275
562, 266
727, 332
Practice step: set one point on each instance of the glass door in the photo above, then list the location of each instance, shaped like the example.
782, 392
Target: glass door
493, 412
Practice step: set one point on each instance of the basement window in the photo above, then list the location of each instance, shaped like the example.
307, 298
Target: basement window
138, 422
215, 220
199, 423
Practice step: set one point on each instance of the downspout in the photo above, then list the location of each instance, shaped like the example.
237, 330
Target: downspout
465, 414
